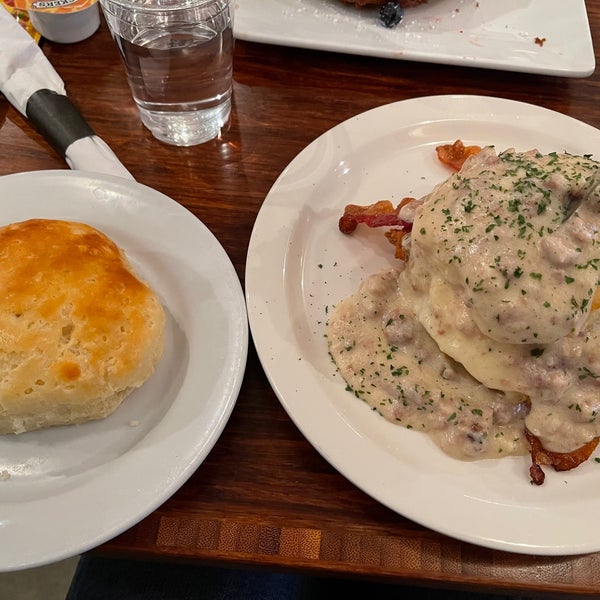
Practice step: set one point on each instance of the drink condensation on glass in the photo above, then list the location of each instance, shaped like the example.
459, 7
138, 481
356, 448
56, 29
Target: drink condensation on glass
178, 57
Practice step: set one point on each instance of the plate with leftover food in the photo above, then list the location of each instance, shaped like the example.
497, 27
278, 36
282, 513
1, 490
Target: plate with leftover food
421, 289
66, 489
536, 36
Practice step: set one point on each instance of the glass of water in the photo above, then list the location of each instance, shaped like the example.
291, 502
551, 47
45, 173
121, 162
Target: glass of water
178, 55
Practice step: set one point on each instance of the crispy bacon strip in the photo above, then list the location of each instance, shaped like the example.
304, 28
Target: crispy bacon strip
384, 214
561, 461
454, 155
380, 214
395, 237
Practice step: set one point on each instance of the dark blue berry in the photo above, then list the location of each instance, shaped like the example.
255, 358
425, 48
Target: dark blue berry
391, 13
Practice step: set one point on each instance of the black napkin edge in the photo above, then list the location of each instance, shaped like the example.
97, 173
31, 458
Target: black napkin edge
57, 119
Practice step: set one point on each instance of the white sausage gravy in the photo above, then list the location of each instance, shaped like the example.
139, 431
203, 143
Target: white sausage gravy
488, 327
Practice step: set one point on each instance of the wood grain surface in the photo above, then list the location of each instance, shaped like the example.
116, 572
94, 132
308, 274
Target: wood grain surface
264, 497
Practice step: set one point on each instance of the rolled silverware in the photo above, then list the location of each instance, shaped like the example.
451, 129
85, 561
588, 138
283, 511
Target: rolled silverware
31, 84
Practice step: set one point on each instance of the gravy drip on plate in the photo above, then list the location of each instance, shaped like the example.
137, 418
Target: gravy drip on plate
489, 327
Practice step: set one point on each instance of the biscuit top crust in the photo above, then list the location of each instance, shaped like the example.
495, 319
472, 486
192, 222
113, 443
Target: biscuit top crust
76, 322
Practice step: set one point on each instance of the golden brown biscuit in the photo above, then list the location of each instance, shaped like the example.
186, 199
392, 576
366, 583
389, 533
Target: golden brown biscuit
78, 329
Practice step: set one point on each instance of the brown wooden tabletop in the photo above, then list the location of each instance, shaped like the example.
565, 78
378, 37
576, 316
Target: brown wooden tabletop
264, 497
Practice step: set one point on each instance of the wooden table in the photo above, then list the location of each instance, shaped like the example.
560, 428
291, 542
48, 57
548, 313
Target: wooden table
264, 497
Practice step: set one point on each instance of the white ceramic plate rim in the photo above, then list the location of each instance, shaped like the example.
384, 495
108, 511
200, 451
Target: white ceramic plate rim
298, 265
475, 33
53, 506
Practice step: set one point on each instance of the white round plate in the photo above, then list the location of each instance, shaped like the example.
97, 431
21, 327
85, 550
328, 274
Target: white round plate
299, 265
71, 488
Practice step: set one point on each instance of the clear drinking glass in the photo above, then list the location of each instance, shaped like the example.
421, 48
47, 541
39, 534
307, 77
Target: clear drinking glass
178, 56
